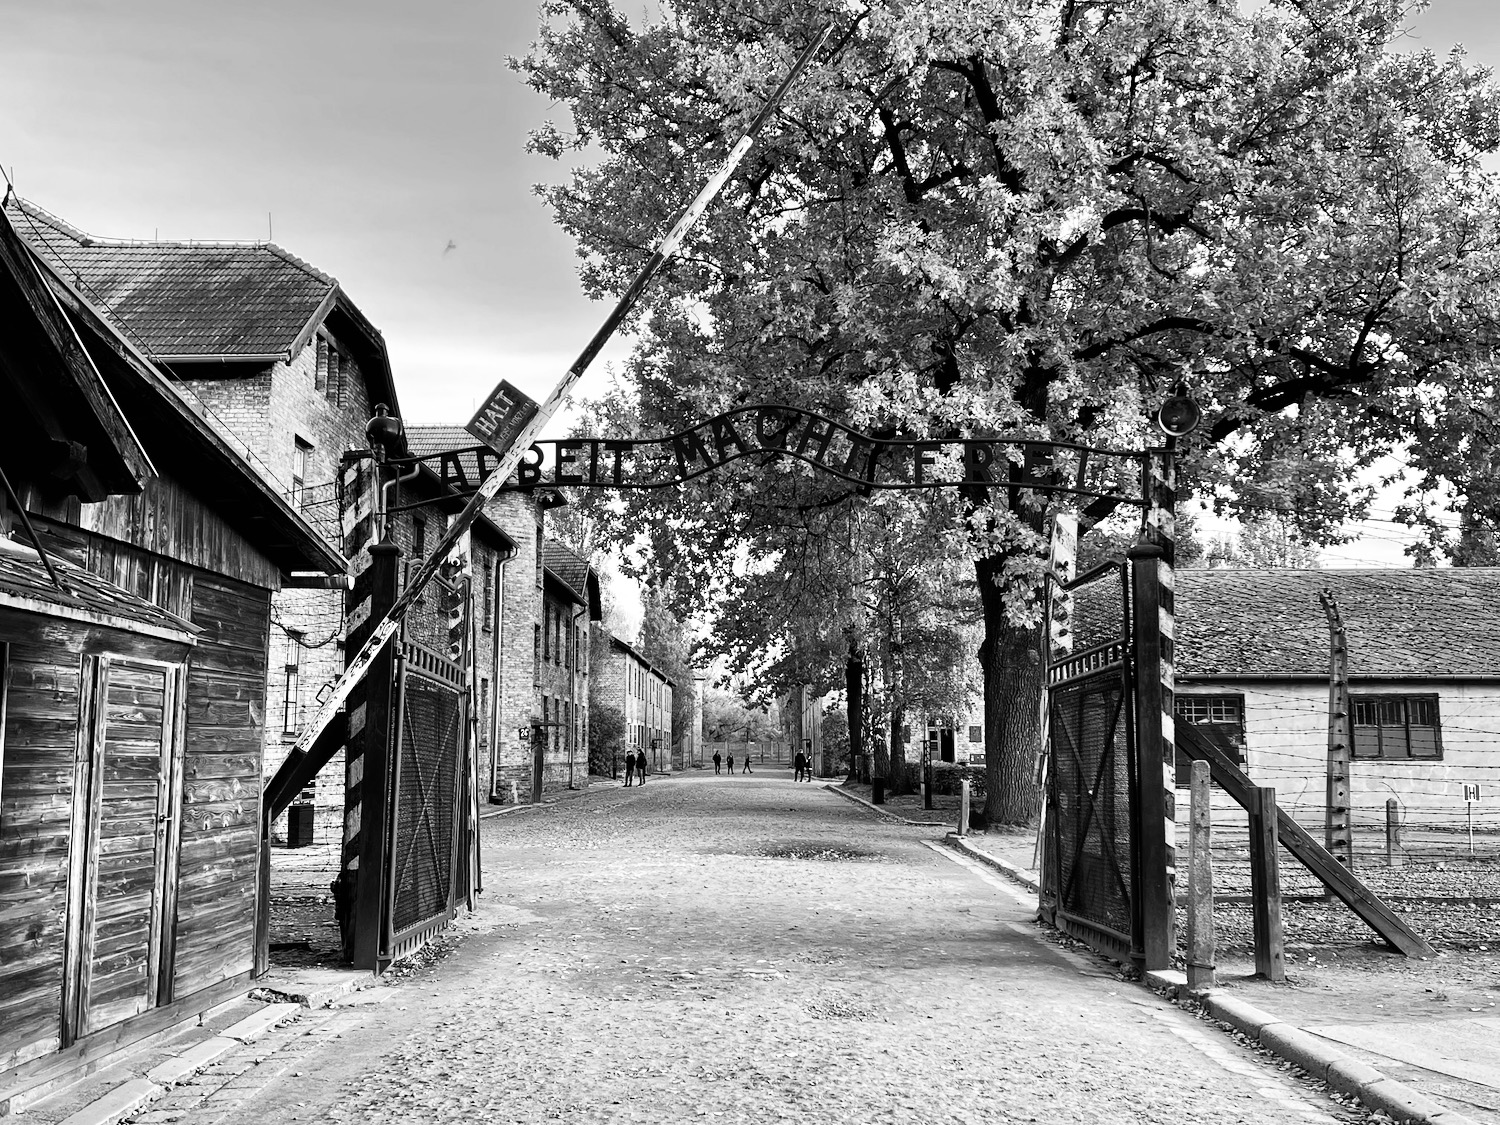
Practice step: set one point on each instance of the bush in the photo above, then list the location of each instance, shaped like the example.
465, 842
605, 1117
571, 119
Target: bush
947, 776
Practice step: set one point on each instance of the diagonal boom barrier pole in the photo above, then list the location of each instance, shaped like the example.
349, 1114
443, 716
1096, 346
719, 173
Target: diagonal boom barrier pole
515, 447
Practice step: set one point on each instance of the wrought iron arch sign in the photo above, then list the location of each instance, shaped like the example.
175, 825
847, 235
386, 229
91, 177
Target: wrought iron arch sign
768, 431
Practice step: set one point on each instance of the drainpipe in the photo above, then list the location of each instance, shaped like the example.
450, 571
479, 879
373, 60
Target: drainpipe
497, 662
573, 695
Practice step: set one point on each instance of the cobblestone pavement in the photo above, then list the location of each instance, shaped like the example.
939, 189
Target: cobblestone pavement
749, 949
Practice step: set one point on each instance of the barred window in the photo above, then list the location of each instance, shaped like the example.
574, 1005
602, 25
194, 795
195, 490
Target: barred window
1397, 726
1219, 718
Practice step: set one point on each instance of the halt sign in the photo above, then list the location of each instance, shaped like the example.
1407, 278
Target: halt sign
502, 417
1471, 793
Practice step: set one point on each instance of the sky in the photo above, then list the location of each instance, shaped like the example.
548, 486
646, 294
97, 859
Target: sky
365, 136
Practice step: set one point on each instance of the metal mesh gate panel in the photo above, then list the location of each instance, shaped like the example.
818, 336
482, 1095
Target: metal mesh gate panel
1091, 800
427, 788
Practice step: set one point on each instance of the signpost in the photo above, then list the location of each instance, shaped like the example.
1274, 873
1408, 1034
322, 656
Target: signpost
509, 416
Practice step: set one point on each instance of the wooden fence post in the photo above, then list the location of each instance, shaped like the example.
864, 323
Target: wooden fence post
1265, 885
1200, 912
1393, 854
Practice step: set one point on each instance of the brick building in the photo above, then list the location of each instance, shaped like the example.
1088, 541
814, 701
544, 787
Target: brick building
278, 360
641, 694
546, 599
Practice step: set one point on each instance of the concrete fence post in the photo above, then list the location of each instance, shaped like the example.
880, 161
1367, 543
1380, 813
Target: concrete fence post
963, 807
1200, 913
1393, 854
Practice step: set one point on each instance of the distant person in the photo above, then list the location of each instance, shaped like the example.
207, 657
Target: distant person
640, 766
799, 766
629, 769
746, 767
731, 765
717, 760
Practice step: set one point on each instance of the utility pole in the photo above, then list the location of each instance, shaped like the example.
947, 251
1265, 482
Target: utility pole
1338, 831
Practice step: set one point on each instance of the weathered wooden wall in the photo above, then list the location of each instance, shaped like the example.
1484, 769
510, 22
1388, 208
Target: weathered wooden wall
168, 522
226, 707
209, 937
36, 807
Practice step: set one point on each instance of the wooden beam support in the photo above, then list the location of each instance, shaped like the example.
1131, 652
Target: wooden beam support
1359, 898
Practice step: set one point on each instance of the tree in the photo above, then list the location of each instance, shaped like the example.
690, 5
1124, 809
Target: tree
664, 643
1036, 218
1270, 541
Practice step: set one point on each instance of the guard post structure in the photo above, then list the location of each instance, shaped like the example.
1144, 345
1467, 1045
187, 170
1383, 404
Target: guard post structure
1157, 780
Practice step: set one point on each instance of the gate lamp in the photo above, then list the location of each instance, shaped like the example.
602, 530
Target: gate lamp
1179, 415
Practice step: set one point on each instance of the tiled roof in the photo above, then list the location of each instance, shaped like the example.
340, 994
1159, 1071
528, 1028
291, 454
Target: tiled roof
568, 568
25, 585
424, 441
184, 299
1431, 622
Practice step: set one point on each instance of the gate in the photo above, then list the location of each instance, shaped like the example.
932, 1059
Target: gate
428, 784
1091, 871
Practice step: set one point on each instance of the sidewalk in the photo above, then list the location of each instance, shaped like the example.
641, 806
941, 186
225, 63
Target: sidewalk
1417, 1039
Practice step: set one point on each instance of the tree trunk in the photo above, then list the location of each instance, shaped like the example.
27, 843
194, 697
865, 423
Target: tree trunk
854, 697
1012, 667
896, 778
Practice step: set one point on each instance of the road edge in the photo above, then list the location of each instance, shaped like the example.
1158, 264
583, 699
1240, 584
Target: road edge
885, 812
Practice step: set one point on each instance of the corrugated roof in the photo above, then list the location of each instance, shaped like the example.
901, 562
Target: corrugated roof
25, 585
184, 299
1439, 622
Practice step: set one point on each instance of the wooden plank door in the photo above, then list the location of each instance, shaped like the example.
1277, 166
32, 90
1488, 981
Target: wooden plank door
130, 768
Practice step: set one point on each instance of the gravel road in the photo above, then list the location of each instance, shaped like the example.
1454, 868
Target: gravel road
750, 949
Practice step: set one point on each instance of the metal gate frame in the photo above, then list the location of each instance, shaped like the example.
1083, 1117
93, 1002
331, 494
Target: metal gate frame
1105, 666
421, 663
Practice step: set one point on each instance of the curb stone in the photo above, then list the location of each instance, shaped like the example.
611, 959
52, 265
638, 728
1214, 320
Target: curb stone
1316, 1056
1004, 866
130, 1097
885, 812
118, 1104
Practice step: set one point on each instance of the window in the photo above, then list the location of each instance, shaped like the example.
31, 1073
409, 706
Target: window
976, 734
1397, 726
536, 654
557, 644
301, 453
1220, 719
320, 368
292, 701
419, 537
546, 633
539, 556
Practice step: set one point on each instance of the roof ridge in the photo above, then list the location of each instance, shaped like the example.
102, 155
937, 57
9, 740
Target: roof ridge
34, 212
83, 238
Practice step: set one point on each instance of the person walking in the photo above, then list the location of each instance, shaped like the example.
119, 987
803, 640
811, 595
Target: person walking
731, 765
746, 767
717, 760
629, 769
799, 764
640, 766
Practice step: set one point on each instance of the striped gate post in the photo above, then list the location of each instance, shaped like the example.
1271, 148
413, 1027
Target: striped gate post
1151, 565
